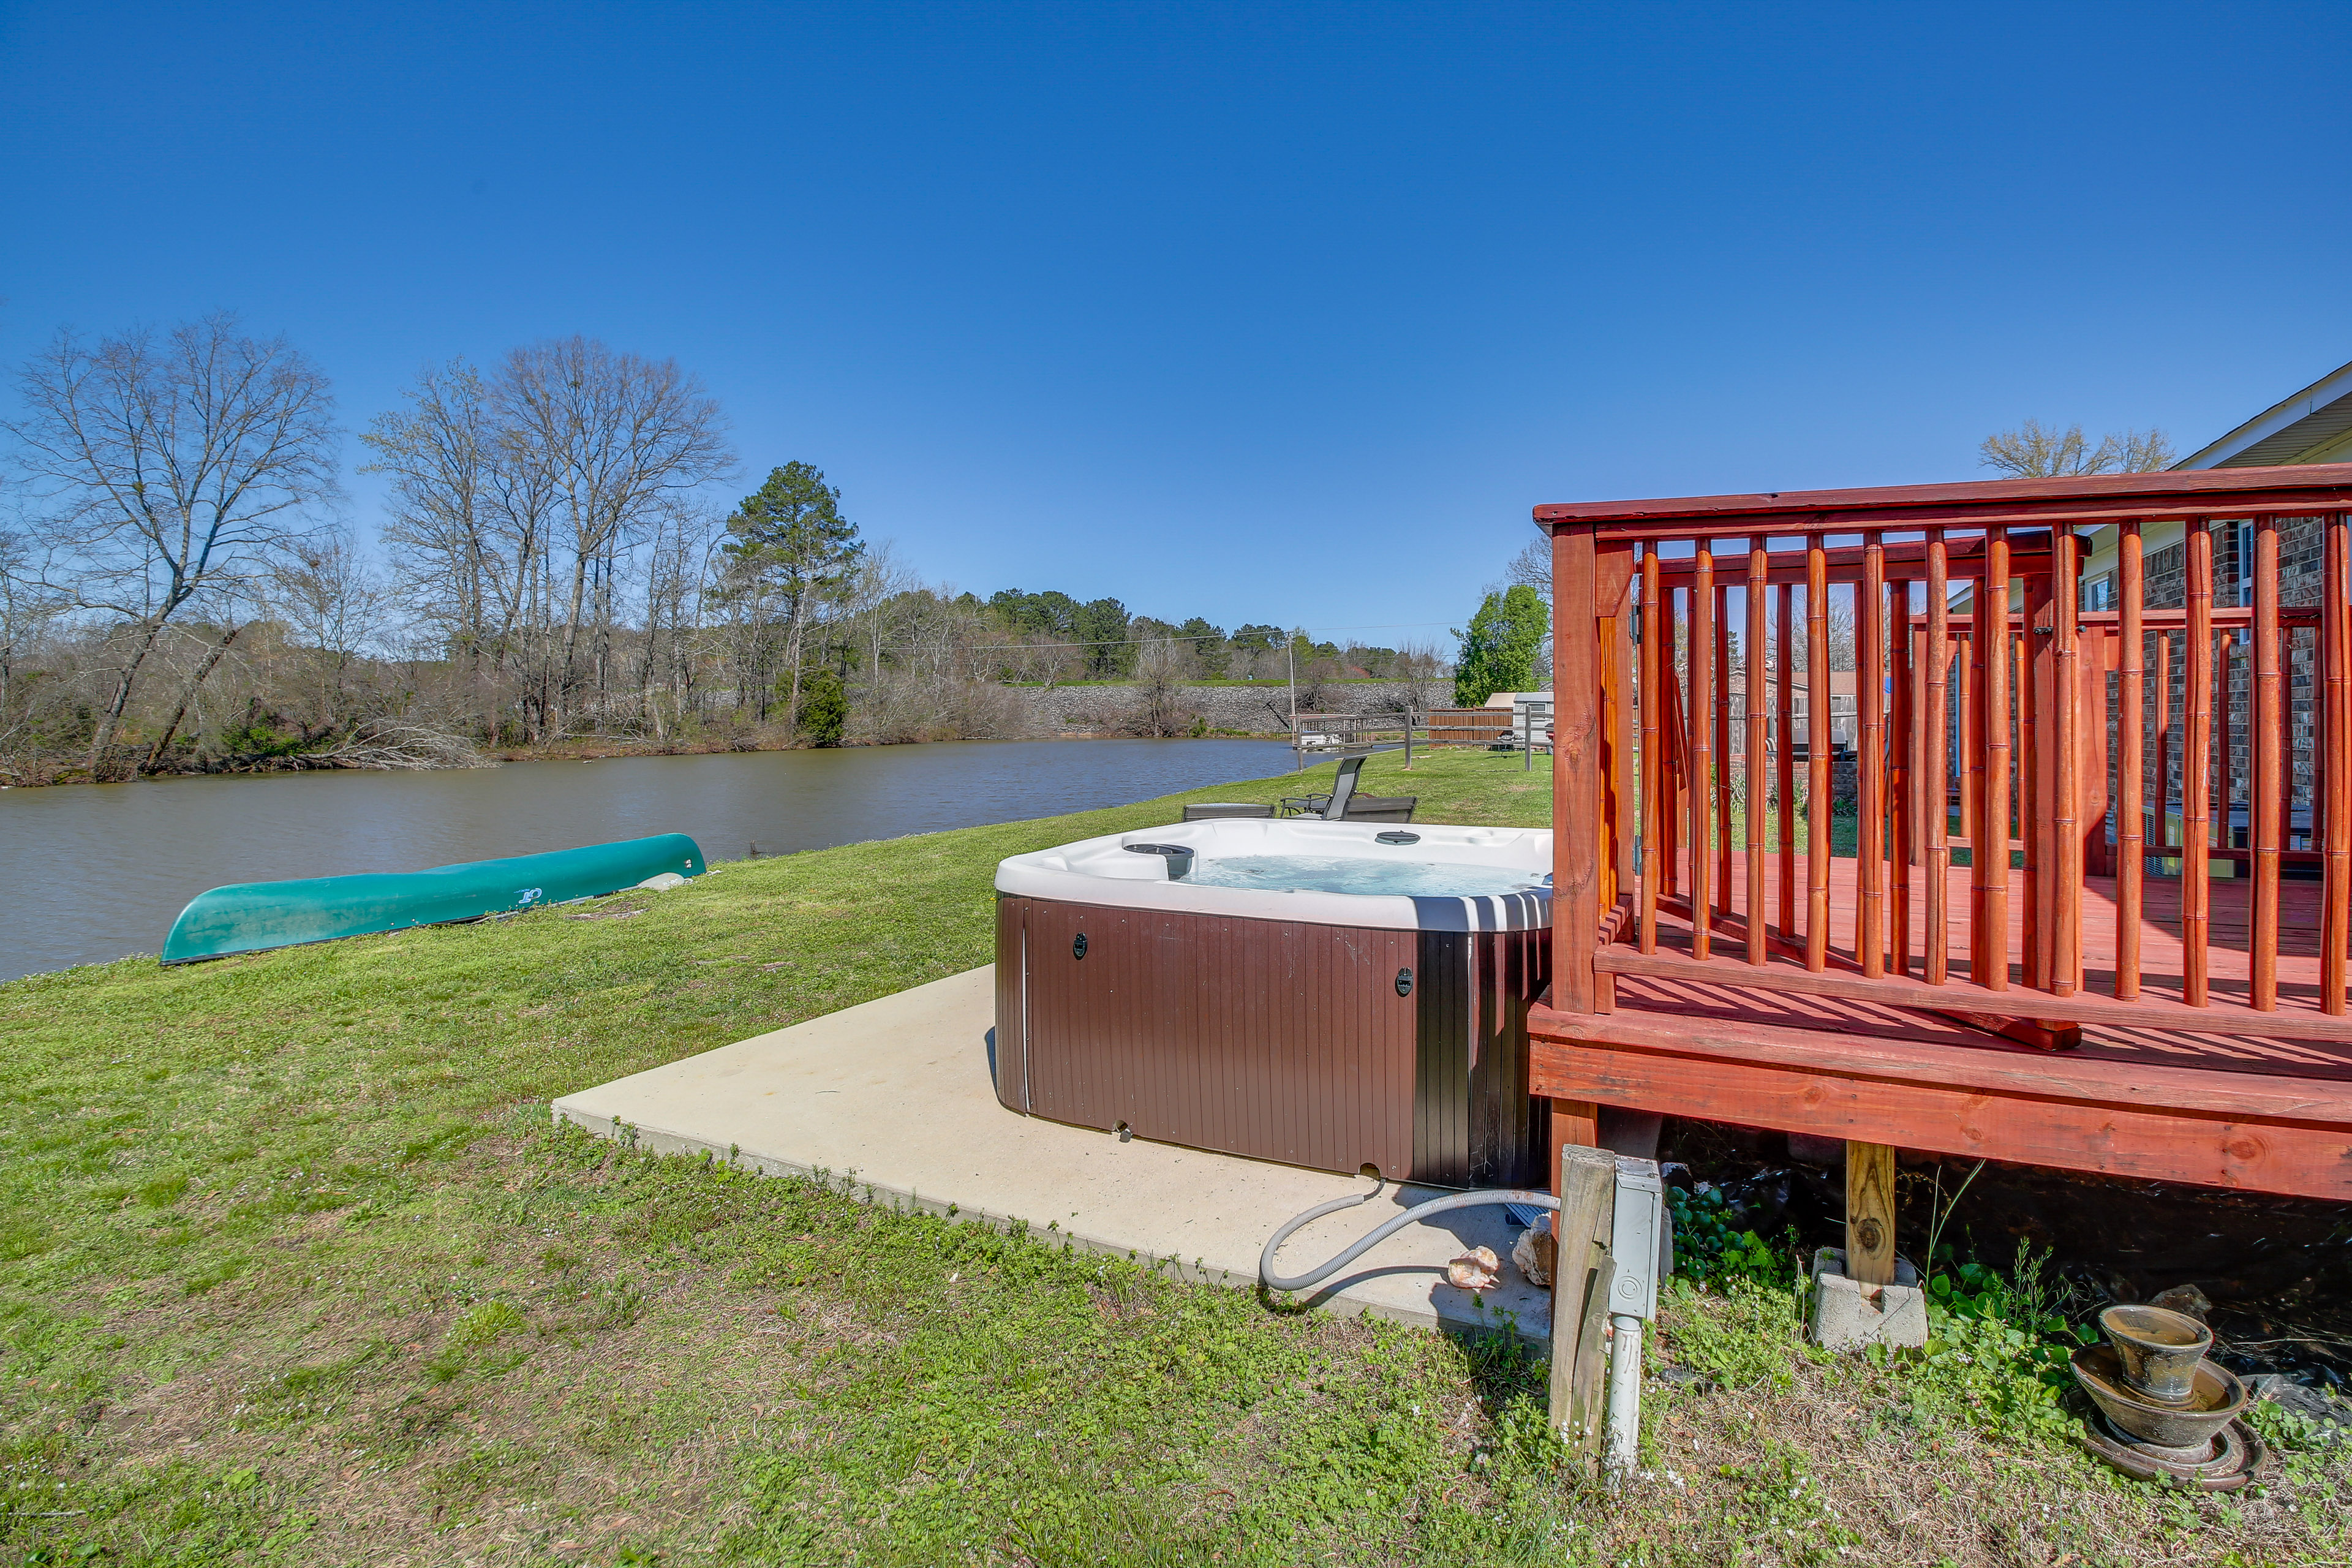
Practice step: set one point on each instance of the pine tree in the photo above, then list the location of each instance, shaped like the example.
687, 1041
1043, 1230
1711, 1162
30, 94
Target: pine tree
791, 531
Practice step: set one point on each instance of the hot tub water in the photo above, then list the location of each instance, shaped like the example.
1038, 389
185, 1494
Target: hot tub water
1361, 874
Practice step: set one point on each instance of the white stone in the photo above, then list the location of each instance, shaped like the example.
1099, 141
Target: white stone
1848, 1316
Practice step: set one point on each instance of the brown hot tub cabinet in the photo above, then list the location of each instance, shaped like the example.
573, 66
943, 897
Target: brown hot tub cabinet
1334, 1046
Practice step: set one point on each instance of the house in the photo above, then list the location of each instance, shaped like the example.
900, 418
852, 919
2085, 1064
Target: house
2315, 426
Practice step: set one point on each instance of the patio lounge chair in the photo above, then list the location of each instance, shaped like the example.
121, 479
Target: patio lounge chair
1344, 804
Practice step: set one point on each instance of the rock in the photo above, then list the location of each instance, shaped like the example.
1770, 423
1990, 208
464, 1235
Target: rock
661, 882
1684, 1377
1826, 1152
1535, 1253
2334, 1415
1474, 1269
2185, 1298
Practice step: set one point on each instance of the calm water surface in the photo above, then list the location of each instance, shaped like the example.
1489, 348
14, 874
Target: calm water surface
95, 872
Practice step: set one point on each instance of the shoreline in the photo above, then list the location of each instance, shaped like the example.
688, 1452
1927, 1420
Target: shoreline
609, 750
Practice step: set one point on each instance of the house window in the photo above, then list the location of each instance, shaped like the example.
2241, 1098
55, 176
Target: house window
2101, 593
2245, 565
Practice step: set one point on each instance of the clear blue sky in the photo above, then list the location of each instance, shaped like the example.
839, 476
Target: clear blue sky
1262, 313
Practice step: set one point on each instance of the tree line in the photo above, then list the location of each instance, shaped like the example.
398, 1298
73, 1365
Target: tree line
182, 588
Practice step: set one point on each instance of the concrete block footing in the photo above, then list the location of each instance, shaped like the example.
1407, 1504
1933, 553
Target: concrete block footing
1848, 1316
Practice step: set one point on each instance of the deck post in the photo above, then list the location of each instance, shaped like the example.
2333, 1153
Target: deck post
1870, 1214
1576, 769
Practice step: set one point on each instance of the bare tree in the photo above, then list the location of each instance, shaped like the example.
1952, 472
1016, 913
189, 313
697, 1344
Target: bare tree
623, 442
2034, 451
171, 468
1531, 567
441, 525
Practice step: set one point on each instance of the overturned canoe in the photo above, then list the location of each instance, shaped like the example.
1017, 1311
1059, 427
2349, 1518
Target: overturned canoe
246, 917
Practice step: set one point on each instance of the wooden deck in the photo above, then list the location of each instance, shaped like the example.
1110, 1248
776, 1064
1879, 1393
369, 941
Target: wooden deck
1980, 674
2147, 1094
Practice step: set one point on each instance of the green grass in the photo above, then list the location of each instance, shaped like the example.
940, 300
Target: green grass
294, 1267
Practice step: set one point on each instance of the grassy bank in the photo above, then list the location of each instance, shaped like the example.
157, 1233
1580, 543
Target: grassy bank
293, 1268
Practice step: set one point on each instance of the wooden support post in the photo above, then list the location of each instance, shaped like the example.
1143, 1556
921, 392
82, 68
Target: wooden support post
1576, 770
1585, 1181
1935, 784
1752, 767
1870, 1214
2267, 741
2131, 805
1818, 809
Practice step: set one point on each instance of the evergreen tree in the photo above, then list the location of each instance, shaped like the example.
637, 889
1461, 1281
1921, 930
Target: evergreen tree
1498, 651
790, 532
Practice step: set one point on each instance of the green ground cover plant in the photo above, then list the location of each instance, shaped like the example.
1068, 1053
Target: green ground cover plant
294, 1267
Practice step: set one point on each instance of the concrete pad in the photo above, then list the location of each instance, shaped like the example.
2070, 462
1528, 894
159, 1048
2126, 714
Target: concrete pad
893, 1101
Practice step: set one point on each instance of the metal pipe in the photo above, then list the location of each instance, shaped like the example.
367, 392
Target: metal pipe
1622, 1445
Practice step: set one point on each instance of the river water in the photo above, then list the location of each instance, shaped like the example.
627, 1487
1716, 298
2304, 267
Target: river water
96, 872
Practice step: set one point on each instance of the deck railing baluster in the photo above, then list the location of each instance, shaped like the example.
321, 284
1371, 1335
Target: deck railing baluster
2334, 917
2032, 802
2196, 766
1784, 759
2268, 744
1818, 813
1672, 763
2066, 776
1702, 728
1988, 836
1752, 766
1903, 766
1935, 790
1870, 764
1652, 704
2131, 802
1723, 752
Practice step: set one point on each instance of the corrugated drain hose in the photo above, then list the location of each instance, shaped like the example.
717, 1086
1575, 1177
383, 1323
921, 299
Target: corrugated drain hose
1624, 1401
1491, 1197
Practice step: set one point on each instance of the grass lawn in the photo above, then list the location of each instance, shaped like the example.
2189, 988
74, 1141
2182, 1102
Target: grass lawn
293, 1267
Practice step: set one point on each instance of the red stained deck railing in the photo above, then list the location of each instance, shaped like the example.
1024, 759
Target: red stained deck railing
1982, 685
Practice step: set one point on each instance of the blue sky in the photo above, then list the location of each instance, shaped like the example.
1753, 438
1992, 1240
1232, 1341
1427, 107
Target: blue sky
1272, 313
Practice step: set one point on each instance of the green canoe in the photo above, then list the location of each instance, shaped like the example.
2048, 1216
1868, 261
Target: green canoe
246, 917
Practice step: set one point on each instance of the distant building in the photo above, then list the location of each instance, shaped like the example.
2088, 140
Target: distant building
2315, 426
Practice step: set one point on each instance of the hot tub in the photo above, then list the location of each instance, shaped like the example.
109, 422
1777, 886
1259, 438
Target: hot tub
1333, 995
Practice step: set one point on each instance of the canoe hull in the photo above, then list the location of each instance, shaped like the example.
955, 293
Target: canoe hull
249, 916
